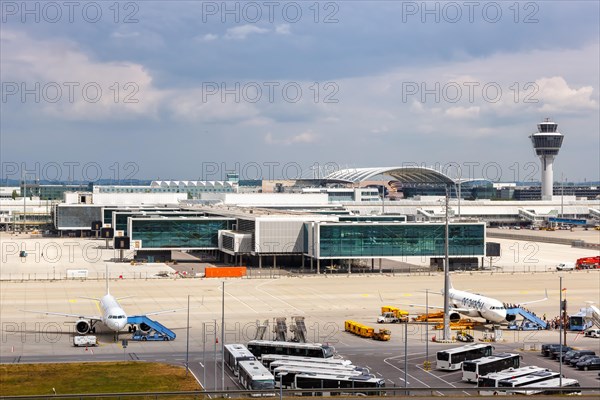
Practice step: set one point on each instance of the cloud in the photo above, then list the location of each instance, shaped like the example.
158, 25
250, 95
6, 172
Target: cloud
283, 29
209, 37
463, 112
301, 138
242, 32
124, 35
557, 95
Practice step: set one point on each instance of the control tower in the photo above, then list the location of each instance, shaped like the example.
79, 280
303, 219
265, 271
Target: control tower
547, 142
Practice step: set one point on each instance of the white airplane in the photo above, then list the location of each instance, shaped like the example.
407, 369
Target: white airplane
476, 305
112, 315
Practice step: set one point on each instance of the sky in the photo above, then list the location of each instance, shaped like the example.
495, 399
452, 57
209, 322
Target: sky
191, 90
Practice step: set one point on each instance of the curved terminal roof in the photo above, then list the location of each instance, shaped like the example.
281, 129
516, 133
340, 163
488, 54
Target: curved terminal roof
406, 175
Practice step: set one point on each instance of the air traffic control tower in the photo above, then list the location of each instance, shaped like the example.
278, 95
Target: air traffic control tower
546, 143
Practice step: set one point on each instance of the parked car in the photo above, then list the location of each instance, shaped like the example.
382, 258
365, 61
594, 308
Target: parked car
581, 359
555, 354
593, 333
546, 348
566, 266
592, 363
575, 354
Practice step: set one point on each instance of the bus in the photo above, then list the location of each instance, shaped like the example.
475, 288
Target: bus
528, 380
267, 359
260, 347
286, 375
234, 353
254, 376
323, 366
490, 381
579, 321
327, 383
452, 359
473, 369
556, 386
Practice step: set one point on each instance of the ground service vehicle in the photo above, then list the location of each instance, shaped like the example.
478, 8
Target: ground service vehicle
267, 359
401, 315
565, 266
528, 380
234, 353
473, 369
260, 347
387, 318
287, 374
254, 376
452, 359
85, 341
579, 321
488, 383
551, 387
332, 384
595, 333
322, 366
588, 263
152, 336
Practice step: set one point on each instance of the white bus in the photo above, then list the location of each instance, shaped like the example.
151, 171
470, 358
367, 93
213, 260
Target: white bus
324, 385
337, 367
452, 359
551, 387
286, 375
473, 369
260, 347
267, 359
489, 382
528, 380
234, 353
254, 376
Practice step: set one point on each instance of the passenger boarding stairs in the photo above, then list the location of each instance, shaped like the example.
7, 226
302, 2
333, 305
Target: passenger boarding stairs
151, 326
298, 328
593, 314
261, 329
280, 329
527, 316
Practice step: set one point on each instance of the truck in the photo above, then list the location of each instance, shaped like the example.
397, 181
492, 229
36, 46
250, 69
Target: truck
85, 341
588, 263
392, 315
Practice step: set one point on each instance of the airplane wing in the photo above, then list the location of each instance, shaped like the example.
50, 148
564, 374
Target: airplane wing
165, 311
94, 317
452, 308
534, 301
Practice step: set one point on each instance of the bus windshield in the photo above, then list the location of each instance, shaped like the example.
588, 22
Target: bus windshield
263, 384
443, 356
469, 366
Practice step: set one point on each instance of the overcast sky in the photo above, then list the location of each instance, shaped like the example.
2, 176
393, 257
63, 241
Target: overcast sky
189, 90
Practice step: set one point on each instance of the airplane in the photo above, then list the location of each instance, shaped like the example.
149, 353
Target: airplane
476, 305
113, 316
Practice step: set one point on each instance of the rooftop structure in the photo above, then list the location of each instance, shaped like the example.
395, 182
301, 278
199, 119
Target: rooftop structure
546, 143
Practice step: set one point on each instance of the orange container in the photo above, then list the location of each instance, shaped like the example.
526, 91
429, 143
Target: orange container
224, 272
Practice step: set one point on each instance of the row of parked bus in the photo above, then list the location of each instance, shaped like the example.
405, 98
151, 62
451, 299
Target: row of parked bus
262, 366
502, 373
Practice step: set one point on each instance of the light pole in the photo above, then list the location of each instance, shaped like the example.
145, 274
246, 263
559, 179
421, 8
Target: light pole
187, 339
446, 335
223, 337
427, 326
560, 327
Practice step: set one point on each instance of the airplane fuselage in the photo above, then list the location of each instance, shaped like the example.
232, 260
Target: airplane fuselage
478, 306
113, 315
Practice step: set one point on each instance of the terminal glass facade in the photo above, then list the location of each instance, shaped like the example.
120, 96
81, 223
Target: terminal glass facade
120, 218
374, 240
179, 233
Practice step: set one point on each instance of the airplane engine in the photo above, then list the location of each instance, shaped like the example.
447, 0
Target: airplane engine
82, 326
454, 317
510, 317
144, 328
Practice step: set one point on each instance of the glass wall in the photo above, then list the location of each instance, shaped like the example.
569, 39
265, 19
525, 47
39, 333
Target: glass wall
372, 240
179, 233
